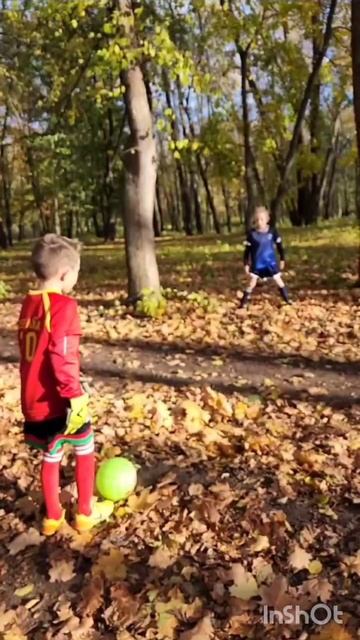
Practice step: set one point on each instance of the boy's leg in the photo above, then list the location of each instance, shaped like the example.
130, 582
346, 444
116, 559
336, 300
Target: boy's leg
50, 481
85, 476
282, 288
90, 513
248, 291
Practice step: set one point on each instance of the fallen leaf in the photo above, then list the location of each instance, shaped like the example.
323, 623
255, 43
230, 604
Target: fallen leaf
315, 567
203, 630
161, 558
30, 538
332, 631
143, 501
25, 591
240, 411
262, 570
167, 624
299, 558
245, 585
92, 596
352, 563
111, 565
319, 588
62, 571
261, 544
195, 416
275, 595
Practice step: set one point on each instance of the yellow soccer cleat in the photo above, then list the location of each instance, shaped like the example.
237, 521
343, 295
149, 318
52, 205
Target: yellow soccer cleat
50, 526
101, 512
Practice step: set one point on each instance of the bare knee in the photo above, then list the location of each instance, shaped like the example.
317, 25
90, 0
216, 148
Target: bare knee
279, 281
252, 283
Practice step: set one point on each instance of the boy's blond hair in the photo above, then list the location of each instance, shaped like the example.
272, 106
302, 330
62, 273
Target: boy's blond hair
53, 252
257, 212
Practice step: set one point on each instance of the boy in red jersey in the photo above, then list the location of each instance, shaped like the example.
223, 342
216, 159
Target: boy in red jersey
54, 404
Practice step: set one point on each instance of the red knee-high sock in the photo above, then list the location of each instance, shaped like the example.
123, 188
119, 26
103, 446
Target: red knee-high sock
50, 480
85, 475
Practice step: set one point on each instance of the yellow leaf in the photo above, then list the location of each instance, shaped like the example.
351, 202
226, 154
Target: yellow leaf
162, 417
240, 411
143, 501
218, 401
253, 411
195, 416
137, 404
22, 592
261, 544
315, 567
167, 625
111, 565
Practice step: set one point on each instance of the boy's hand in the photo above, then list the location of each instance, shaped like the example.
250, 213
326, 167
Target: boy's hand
78, 414
282, 265
247, 268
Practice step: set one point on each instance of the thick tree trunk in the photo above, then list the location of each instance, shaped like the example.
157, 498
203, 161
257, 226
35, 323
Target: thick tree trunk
140, 168
291, 153
355, 50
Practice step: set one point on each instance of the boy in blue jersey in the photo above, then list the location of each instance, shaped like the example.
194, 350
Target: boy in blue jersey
260, 258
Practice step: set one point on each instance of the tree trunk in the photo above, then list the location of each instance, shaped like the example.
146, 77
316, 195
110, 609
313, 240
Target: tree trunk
37, 190
56, 217
197, 205
140, 173
184, 186
204, 178
227, 206
248, 158
355, 50
3, 237
96, 222
5, 180
160, 208
325, 182
291, 153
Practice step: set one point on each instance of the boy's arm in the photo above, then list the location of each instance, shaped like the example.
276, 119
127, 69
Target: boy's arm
64, 346
247, 249
279, 245
65, 359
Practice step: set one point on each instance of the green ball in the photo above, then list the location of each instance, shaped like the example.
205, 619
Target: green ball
116, 479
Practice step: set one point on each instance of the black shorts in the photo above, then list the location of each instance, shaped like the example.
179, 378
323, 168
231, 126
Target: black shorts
49, 435
265, 272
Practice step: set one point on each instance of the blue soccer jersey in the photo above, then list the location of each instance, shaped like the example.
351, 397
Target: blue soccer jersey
260, 252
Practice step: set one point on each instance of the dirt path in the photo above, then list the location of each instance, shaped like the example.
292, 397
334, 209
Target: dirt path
298, 378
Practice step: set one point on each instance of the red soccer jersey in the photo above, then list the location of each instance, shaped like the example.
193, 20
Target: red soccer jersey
49, 337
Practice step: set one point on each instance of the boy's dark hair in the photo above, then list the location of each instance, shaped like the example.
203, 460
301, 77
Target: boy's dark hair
53, 252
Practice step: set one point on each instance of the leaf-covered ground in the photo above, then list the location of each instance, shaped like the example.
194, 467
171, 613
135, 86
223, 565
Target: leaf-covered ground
245, 425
